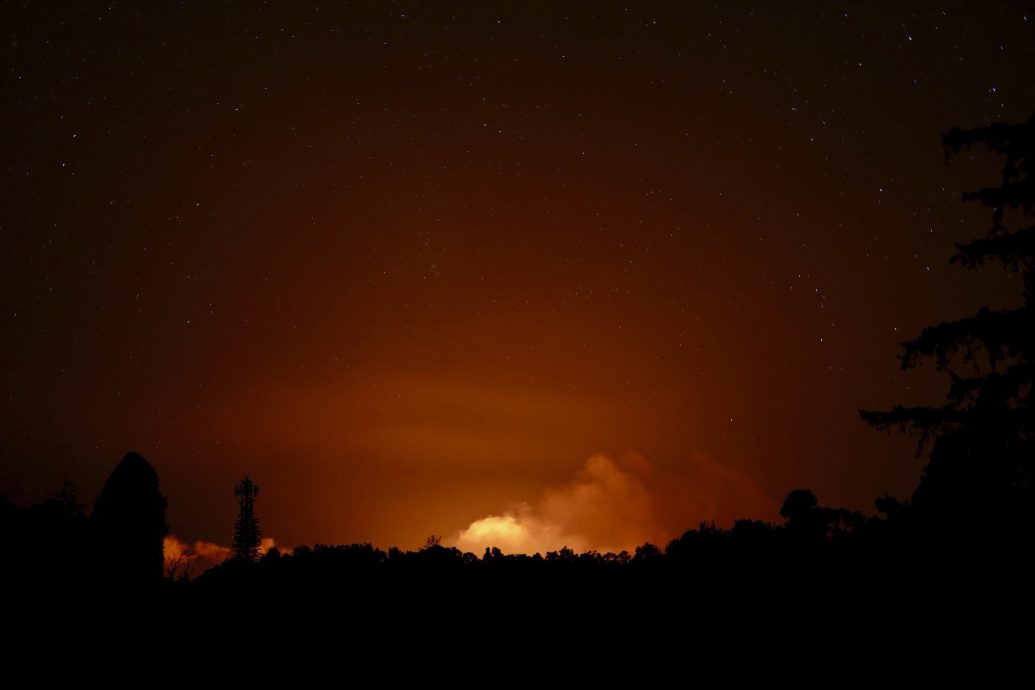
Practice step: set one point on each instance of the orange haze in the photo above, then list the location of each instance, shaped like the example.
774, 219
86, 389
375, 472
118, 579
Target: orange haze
410, 269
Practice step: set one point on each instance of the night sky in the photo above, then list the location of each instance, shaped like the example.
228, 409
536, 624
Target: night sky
600, 270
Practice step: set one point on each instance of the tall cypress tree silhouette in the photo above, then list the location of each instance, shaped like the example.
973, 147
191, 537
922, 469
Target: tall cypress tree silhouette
246, 529
129, 522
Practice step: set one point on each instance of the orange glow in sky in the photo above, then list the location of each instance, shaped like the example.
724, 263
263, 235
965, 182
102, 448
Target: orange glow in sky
577, 278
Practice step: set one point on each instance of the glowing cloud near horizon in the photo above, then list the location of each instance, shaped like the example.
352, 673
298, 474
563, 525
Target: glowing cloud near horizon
201, 555
617, 506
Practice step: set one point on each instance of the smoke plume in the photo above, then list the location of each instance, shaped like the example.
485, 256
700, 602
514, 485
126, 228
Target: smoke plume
617, 505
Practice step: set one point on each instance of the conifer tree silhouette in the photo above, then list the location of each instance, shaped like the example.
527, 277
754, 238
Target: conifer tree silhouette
981, 471
246, 529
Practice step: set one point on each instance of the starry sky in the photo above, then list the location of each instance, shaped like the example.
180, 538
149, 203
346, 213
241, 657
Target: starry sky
411, 265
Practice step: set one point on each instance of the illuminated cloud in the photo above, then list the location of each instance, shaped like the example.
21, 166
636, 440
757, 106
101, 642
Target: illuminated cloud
518, 531
203, 554
615, 506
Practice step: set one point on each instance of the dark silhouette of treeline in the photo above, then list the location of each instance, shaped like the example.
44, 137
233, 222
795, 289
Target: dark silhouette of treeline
960, 550
56, 545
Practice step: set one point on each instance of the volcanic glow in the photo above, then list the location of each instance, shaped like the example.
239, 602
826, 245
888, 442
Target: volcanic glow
410, 265
616, 506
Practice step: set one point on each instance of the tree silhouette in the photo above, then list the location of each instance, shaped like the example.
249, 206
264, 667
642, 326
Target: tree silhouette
179, 568
980, 470
246, 529
797, 503
129, 522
